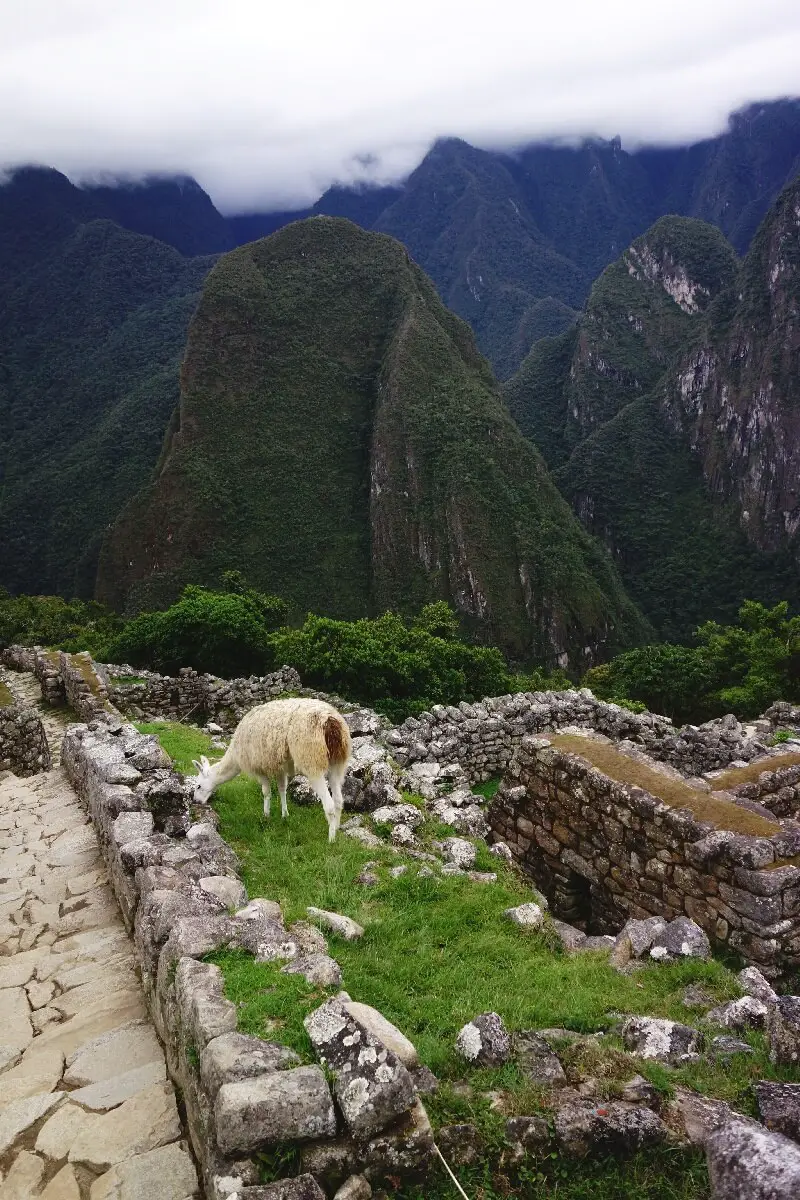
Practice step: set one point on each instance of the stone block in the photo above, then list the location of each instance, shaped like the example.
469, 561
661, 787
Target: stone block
282, 1106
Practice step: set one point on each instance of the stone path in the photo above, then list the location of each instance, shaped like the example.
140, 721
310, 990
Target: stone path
86, 1109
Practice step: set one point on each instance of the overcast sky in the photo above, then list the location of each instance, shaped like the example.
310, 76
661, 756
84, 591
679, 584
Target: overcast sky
266, 104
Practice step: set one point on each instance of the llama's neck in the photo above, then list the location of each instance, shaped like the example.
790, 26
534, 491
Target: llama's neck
227, 768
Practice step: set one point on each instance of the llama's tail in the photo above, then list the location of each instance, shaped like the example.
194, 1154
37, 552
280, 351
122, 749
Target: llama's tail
337, 740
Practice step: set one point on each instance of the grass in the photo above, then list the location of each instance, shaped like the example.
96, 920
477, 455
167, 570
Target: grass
673, 792
753, 771
6, 696
488, 789
438, 951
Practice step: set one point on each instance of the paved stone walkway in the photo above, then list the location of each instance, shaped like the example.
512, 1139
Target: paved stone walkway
86, 1109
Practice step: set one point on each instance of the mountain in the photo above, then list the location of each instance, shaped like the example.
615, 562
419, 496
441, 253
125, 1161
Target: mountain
514, 242
93, 322
174, 210
340, 440
670, 409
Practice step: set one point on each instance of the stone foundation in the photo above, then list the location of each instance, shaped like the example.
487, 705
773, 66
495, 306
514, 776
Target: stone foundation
604, 851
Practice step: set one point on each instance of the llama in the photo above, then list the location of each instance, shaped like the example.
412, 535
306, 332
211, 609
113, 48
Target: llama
281, 739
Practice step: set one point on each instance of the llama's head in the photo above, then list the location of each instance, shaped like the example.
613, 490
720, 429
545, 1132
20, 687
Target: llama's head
204, 782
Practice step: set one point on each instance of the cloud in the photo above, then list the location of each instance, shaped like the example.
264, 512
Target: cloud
266, 105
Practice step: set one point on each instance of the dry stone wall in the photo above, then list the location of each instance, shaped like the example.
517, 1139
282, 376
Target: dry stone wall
482, 737
203, 697
604, 852
23, 741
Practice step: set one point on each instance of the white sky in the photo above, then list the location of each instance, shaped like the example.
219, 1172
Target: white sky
266, 104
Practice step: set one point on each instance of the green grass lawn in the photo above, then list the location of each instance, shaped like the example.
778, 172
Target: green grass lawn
438, 951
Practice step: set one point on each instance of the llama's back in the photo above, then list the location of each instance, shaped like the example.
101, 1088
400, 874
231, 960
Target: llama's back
299, 734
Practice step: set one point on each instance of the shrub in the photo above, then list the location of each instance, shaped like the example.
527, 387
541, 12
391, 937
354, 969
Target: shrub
384, 663
53, 621
740, 668
220, 632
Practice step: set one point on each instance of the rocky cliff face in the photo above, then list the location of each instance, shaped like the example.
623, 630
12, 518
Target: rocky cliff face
340, 440
658, 448
736, 397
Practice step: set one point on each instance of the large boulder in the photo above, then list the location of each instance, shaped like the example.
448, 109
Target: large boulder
746, 1162
614, 1128
281, 1106
681, 938
779, 1106
783, 1030
371, 1084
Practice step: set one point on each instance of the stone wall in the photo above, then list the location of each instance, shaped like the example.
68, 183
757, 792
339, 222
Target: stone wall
180, 894
47, 669
203, 697
23, 742
777, 790
84, 686
482, 737
603, 852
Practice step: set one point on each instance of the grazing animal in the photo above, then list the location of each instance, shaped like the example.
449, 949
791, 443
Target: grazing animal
281, 739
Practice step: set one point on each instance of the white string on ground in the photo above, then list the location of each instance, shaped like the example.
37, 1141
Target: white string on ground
449, 1172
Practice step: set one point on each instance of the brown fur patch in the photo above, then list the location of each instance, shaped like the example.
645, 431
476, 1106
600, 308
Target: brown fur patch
336, 740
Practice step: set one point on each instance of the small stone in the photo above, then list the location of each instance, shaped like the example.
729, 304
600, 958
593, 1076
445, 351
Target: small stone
665, 1041
779, 1106
367, 878
681, 938
398, 814
745, 1013
342, 926
696, 996
282, 1106
484, 1041
753, 983
571, 938
501, 850
167, 1173
357, 1187
724, 1047
385, 1032
783, 1030
641, 1091
234, 1057
462, 1145
318, 969
537, 1060
460, 852
397, 871
403, 835
529, 916
230, 892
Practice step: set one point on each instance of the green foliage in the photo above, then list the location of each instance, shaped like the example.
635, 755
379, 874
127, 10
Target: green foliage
389, 665
93, 329
741, 668
52, 621
782, 735
220, 632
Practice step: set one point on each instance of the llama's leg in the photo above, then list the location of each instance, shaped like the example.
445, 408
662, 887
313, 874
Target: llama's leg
266, 791
336, 777
283, 781
320, 787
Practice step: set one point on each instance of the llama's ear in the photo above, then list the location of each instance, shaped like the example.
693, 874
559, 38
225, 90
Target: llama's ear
205, 762
195, 763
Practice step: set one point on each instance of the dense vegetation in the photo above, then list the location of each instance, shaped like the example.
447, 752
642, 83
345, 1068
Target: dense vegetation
341, 441
592, 401
93, 321
740, 668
